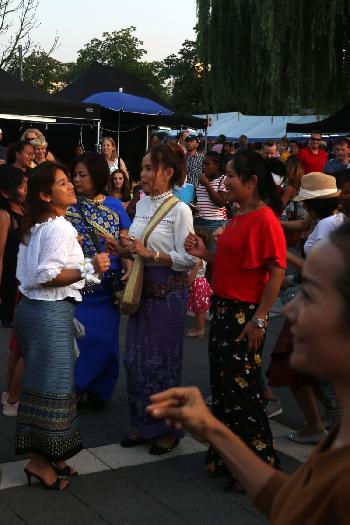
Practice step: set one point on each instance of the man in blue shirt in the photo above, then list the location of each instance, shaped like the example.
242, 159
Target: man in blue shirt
342, 157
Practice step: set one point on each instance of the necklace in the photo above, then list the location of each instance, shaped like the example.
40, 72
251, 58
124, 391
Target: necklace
99, 199
234, 220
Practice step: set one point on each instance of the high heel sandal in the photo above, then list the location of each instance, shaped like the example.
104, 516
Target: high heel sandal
65, 472
56, 485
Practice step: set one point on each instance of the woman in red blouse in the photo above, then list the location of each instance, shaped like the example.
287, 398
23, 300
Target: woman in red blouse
248, 269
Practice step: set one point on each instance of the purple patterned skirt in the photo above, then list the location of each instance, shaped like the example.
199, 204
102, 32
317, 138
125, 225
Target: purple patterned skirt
154, 343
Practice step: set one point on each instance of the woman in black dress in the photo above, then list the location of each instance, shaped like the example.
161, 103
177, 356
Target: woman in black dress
13, 189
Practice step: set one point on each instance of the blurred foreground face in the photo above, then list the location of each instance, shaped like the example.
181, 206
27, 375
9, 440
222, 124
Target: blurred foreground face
321, 337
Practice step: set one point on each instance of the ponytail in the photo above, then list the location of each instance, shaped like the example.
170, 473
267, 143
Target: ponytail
248, 163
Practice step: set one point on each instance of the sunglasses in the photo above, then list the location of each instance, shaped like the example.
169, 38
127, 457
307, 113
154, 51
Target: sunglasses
316, 140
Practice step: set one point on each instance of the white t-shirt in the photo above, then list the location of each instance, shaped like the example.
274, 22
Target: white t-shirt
323, 228
51, 247
170, 234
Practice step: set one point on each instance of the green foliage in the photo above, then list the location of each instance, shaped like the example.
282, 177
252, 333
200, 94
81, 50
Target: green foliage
184, 76
120, 49
41, 70
275, 56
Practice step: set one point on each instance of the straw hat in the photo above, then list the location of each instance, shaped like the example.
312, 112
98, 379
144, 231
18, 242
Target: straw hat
317, 185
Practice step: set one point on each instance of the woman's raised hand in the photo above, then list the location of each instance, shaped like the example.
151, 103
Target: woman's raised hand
195, 246
101, 262
183, 407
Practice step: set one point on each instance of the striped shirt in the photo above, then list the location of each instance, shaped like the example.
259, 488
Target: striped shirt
206, 208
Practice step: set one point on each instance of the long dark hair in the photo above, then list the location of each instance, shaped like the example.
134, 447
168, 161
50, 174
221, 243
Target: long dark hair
15, 148
124, 190
41, 180
10, 180
248, 163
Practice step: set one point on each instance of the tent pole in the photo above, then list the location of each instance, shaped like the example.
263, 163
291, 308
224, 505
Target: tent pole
206, 136
98, 135
118, 137
147, 137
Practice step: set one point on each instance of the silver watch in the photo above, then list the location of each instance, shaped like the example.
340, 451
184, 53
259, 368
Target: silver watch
259, 322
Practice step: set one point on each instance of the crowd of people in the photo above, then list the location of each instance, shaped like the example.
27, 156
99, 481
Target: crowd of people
197, 231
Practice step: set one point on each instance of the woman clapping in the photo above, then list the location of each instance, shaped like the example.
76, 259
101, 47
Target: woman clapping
248, 269
51, 271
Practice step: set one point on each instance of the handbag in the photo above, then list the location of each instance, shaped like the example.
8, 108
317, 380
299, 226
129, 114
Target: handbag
130, 298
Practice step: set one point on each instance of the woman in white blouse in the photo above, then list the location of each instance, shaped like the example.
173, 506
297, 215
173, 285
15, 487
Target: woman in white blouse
51, 271
154, 341
109, 150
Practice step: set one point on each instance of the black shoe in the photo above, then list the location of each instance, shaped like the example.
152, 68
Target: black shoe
65, 472
158, 450
95, 401
56, 485
132, 441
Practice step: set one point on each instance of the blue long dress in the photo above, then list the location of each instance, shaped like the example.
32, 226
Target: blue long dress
97, 368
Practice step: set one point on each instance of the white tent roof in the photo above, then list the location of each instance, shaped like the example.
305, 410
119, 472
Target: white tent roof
257, 127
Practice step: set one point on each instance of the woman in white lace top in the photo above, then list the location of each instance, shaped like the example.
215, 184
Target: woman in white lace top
51, 270
154, 341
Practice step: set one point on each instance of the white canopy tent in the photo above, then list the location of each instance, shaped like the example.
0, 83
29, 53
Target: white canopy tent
256, 127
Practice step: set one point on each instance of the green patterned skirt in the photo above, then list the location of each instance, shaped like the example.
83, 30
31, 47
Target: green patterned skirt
47, 422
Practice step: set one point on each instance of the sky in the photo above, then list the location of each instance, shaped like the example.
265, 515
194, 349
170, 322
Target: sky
161, 24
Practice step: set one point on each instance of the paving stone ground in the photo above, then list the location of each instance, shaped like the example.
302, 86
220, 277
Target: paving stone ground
121, 489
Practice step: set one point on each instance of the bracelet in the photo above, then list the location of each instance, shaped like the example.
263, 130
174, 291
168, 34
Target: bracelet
156, 257
87, 271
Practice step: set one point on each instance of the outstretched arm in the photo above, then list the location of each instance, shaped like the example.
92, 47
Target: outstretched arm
184, 407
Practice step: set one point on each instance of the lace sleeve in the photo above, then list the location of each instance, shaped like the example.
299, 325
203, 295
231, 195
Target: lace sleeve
57, 243
183, 225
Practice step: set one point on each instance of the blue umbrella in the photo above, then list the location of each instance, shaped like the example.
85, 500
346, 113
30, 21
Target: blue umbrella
120, 101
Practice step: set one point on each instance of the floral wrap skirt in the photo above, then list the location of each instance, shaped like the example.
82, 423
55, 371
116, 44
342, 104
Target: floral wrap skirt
235, 384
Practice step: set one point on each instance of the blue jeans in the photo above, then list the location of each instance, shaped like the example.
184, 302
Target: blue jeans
210, 226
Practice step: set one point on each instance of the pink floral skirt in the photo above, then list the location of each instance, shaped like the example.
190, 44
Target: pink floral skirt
199, 298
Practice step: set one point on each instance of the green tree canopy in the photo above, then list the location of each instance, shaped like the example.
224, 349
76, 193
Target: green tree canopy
275, 56
120, 49
42, 70
184, 76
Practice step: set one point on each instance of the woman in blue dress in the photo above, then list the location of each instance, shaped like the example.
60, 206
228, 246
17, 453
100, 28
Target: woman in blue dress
96, 215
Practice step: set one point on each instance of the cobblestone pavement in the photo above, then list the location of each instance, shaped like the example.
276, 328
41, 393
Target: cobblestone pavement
118, 486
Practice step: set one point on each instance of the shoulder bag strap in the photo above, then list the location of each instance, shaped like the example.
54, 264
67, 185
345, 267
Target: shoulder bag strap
89, 228
158, 216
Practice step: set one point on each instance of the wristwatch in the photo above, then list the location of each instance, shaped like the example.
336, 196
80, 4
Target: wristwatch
260, 322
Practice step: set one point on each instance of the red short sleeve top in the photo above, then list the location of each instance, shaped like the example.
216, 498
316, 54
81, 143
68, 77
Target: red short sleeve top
248, 242
312, 161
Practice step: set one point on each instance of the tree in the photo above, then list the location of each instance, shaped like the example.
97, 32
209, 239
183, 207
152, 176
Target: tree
184, 76
120, 49
274, 56
42, 70
17, 19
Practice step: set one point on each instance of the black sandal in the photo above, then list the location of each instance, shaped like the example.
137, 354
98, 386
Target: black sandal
132, 441
56, 485
65, 472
